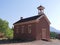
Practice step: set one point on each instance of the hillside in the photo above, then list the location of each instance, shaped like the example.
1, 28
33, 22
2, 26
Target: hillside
52, 29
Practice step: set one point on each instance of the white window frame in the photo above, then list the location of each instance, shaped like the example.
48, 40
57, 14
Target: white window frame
29, 29
22, 30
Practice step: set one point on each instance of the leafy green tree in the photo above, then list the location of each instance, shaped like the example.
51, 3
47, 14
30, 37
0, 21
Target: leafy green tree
53, 35
4, 28
9, 33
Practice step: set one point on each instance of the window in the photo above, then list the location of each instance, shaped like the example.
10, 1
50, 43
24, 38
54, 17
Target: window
29, 28
17, 29
22, 30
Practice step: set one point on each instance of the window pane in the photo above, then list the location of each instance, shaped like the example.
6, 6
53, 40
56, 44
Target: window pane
17, 30
22, 31
29, 28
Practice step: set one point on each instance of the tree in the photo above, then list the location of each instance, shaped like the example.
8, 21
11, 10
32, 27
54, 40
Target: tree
4, 28
53, 35
3, 25
9, 33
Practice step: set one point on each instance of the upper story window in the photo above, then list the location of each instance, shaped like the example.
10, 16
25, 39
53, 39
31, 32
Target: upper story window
29, 28
22, 30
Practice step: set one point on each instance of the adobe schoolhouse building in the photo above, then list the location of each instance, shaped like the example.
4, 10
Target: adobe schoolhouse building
33, 28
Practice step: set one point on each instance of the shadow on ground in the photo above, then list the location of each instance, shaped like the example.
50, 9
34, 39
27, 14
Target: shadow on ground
14, 41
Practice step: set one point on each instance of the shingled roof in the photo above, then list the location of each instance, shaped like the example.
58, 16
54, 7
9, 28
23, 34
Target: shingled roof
28, 19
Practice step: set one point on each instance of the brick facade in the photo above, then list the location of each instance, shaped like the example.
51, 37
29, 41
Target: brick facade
36, 30
33, 28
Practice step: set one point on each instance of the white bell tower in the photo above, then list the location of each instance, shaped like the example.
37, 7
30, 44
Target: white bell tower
40, 10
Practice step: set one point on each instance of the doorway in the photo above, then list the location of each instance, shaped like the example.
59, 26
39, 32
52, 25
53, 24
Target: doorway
44, 33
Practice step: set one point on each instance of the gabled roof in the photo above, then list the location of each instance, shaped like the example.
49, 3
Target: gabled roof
28, 19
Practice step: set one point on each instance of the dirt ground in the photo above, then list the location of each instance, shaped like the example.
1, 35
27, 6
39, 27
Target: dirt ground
38, 42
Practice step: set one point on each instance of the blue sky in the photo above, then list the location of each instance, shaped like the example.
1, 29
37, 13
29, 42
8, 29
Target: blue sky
12, 10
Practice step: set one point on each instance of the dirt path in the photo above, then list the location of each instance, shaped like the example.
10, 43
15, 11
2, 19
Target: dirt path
39, 42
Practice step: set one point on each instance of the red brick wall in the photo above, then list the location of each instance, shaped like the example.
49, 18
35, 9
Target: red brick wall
25, 35
36, 30
42, 24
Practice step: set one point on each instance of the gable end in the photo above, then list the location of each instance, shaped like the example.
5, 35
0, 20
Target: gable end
45, 18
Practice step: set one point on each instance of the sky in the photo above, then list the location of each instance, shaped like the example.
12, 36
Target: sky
12, 10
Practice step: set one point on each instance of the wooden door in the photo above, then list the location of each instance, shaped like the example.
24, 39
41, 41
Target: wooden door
43, 33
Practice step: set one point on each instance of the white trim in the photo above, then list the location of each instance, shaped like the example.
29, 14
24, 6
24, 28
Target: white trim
39, 18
